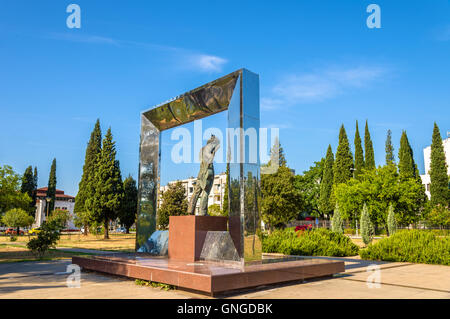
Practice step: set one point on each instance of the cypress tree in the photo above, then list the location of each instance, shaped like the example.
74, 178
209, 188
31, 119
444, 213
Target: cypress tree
390, 159
128, 211
367, 230
368, 146
225, 208
51, 190
35, 177
326, 185
406, 165
276, 148
105, 200
438, 171
337, 224
391, 222
359, 155
28, 187
35, 182
344, 159
93, 149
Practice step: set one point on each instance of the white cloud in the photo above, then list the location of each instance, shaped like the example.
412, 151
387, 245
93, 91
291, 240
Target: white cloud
208, 63
83, 38
320, 85
185, 57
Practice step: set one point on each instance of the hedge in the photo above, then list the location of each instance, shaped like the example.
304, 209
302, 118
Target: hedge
316, 242
416, 246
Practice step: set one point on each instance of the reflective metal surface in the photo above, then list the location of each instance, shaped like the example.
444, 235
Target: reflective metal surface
206, 100
148, 184
238, 93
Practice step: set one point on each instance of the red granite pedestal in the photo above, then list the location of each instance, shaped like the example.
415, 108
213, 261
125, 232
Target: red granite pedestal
183, 269
187, 235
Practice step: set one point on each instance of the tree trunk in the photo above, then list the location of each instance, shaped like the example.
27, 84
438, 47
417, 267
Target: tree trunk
106, 229
128, 230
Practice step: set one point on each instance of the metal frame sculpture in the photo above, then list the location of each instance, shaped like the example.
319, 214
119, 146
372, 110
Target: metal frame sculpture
237, 93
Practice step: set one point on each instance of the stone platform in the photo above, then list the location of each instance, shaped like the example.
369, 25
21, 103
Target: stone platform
207, 276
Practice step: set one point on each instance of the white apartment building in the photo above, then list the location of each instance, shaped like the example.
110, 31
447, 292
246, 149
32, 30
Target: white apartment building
63, 202
215, 196
427, 159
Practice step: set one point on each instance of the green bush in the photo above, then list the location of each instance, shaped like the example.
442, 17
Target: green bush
316, 242
46, 238
415, 246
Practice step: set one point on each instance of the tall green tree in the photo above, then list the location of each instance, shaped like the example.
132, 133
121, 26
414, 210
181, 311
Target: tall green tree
326, 204
85, 189
389, 148
28, 187
51, 190
378, 189
406, 164
368, 146
439, 188
128, 211
278, 149
17, 217
391, 221
225, 208
367, 230
35, 178
359, 155
174, 203
10, 194
281, 201
35, 181
343, 163
337, 223
309, 185
105, 201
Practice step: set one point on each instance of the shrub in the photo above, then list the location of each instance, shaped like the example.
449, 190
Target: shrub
415, 246
391, 222
337, 224
367, 230
317, 242
46, 238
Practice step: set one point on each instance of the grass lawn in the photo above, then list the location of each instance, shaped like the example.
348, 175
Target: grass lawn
117, 242
14, 253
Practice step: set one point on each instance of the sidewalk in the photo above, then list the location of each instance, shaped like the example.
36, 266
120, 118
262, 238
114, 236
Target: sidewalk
398, 280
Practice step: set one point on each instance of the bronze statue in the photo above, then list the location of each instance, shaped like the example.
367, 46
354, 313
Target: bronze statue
205, 177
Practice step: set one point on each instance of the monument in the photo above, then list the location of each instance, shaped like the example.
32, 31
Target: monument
205, 177
210, 254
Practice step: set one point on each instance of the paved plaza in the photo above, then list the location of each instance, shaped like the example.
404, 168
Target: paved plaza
398, 280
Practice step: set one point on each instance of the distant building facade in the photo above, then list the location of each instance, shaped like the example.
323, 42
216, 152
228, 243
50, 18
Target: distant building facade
62, 201
427, 159
215, 196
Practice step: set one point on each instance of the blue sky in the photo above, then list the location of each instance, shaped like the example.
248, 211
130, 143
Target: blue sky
319, 66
